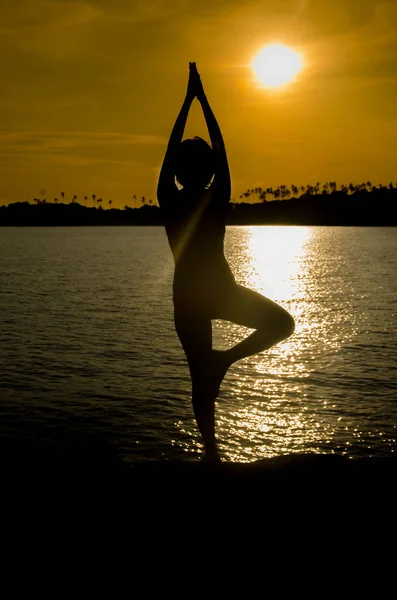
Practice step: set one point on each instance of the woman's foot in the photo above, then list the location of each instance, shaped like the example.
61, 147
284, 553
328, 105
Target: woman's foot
211, 458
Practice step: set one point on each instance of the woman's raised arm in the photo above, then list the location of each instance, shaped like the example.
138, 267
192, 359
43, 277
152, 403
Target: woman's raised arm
166, 184
222, 173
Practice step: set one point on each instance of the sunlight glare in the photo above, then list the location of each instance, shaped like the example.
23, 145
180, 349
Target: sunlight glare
276, 65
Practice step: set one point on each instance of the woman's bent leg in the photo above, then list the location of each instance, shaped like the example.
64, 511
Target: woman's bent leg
271, 322
195, 334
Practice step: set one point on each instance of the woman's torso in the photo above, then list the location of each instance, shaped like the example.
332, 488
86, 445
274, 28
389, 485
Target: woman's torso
196, 228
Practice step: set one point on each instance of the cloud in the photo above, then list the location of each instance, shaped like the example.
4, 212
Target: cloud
53, 28
75, 138
137, 11
61, 28
45, 14
361, 51
72, 148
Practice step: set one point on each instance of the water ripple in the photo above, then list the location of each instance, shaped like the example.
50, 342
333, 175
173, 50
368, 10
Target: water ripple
88, 343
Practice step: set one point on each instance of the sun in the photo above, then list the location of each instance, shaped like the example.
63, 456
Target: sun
276, 65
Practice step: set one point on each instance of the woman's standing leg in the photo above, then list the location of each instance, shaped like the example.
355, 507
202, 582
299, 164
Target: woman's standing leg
195, 334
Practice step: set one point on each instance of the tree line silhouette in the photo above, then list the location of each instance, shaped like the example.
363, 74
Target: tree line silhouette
96, 202
319, 204
325, 189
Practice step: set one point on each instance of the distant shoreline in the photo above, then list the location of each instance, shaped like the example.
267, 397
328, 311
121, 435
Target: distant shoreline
377, 208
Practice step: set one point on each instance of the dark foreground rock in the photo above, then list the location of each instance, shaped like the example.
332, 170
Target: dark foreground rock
79, 502
81, 471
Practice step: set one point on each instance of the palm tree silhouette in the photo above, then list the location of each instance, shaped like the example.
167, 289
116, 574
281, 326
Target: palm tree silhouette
284, 192
262, 196
269, 191
246, 194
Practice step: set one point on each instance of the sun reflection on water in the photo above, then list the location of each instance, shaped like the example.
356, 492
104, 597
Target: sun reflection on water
292, 398
276, 259
262, 410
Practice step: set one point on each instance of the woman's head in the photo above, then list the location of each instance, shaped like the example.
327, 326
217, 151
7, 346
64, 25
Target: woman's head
194, 163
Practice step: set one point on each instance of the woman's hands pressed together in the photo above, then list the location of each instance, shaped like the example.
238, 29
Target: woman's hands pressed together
195, 87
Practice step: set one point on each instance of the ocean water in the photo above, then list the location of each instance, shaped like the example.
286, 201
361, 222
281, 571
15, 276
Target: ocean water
88, 347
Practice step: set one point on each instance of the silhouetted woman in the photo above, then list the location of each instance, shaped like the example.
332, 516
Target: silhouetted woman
204, 287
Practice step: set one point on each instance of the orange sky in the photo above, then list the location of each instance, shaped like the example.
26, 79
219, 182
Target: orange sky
89, 92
